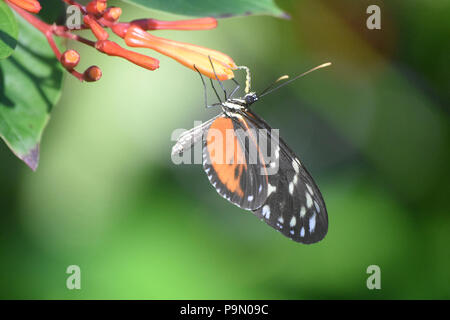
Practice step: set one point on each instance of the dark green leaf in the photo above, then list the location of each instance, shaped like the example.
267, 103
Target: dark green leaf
214, 8
30, 83
53, 12
8, 31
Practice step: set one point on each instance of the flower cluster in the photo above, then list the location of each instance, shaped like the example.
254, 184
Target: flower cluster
97, 17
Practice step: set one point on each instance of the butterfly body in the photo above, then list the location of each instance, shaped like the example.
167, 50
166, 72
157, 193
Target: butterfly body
230, 106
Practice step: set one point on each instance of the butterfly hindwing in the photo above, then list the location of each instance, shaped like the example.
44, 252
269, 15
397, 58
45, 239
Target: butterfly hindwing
294, 205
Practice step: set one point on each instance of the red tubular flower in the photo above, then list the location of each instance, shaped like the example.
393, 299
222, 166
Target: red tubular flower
191, 24
112, 14
96, 7
120, 28
97, 17
32, 6
69, 59
152, 24
96, 29
113, 49
187, 54
93, 73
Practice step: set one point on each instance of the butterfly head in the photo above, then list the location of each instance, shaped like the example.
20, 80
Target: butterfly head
250, 98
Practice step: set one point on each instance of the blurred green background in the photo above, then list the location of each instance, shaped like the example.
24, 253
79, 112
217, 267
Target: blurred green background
373, 130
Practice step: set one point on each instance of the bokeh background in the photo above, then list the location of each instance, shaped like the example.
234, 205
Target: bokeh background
373, 130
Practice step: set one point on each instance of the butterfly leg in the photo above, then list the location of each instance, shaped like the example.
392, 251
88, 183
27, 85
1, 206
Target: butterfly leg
235, 89
204, 86
215, 91
217, 78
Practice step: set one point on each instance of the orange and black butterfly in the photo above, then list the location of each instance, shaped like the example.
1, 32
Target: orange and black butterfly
277, 188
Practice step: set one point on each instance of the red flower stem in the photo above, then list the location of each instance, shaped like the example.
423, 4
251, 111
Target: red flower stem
57, 53
49, 31
105, 23
53, 46
35, 22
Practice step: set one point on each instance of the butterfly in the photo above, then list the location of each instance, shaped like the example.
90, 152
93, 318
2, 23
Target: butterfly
235, 152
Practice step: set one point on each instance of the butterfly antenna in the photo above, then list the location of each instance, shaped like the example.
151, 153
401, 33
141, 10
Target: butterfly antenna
273, 84
271, 89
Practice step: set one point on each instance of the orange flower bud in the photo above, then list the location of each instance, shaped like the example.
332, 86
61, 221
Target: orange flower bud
96, 29
69, 59
191, 24
93, 73
113, 49
96, 7
112, 14
187, 54
32, 6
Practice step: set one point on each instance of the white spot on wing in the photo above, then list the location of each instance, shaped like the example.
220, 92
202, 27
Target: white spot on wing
260, 188
270, 189
302, 232
291, 188
309, 201
293, 221
312, 223
294, 181
250, 198
302, 211
280, 222
266, 211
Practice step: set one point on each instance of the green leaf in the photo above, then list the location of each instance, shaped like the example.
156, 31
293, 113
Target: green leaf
8, 31
214, 8
30, 84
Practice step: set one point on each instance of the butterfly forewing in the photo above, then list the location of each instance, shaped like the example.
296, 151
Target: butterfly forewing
229, 164
190, 137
